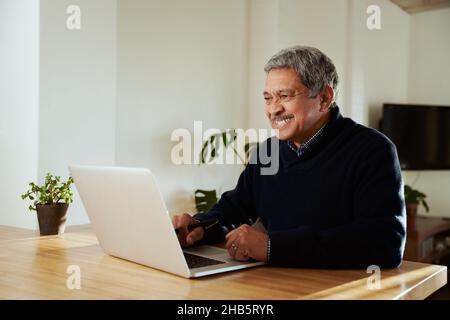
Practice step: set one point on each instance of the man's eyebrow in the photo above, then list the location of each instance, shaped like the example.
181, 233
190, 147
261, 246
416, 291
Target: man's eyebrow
280, 90
285, 89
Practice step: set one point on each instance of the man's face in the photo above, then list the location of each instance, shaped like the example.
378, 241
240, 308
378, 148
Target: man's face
288, 107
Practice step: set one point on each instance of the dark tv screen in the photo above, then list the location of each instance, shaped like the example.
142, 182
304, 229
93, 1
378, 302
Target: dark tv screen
421, 134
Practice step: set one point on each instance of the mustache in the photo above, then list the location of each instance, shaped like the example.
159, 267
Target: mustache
283, 117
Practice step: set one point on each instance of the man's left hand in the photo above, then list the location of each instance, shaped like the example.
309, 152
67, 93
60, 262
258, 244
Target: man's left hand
246, 242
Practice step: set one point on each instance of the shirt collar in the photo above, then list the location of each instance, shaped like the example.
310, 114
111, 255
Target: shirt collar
306, 143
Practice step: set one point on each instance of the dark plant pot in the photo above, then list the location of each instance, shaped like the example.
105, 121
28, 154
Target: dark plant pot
411, 212
52, 218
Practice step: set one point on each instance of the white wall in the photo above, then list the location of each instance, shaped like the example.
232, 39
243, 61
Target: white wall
77, 90
202, 43
379, 60
19, 54
370, 74
278, 24
179, 61
322, 24
429, 78
429, 67
263, 43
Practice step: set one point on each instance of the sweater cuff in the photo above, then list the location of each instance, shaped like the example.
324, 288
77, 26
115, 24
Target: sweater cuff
215, 234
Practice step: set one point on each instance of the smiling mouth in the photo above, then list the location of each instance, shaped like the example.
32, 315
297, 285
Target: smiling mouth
280, 122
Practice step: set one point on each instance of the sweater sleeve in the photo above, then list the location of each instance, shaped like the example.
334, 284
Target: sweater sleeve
377, 234
234, 208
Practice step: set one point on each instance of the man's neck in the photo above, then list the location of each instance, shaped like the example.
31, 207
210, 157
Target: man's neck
298, 141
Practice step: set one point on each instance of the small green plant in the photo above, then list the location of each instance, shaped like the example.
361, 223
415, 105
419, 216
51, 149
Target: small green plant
205, 199
53, 191
210, 148
415, 197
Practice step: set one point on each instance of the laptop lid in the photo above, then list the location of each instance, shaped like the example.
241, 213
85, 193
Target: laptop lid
129, 216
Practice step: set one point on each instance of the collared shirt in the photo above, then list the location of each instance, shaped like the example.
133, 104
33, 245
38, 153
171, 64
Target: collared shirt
305, 144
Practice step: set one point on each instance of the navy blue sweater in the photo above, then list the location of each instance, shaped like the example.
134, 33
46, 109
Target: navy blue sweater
339, 205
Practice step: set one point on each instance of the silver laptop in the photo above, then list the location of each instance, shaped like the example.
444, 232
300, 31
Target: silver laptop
131, 222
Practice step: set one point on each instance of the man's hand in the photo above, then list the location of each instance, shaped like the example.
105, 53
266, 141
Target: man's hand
246, 242
185, 237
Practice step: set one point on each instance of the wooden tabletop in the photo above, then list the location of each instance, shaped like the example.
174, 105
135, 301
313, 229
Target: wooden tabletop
35, 267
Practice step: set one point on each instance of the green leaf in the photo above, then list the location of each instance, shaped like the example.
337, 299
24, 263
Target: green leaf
425, 204
203, 152
50, 192
224, 138
248, 149
415, 196
205, 199
227, 138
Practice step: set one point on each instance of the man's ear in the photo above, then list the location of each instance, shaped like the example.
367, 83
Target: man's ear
326, 98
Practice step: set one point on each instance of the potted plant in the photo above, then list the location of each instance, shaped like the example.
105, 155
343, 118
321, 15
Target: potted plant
205, 199
413, 198
51, 202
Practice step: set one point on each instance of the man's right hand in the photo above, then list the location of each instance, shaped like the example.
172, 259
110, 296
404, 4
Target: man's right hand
185, 237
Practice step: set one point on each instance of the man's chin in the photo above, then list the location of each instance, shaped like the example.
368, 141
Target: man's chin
283, 136
286, 133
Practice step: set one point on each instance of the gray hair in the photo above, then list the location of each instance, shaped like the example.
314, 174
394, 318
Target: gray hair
314, 69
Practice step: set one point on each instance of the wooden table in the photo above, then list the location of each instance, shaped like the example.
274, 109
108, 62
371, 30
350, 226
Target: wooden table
35, 267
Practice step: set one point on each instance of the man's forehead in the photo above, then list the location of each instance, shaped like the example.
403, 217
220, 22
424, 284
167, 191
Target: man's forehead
282, 79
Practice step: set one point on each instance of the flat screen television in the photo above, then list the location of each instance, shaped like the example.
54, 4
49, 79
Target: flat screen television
421, 134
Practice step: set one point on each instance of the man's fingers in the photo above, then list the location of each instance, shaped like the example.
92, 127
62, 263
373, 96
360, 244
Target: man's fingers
232, 239
237, 243
185, 220
234, 236
181, 223
239, 229
234, 246
175, 221
194, 235
232, 232
241, 255
232, 249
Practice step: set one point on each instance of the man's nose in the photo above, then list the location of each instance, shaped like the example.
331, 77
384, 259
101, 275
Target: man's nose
275, 108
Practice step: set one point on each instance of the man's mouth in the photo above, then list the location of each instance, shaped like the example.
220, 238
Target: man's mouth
281, 122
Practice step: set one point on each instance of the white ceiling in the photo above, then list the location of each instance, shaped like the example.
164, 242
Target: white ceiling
414, 6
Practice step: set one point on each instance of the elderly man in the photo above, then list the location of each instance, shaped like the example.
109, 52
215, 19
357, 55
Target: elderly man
336, 200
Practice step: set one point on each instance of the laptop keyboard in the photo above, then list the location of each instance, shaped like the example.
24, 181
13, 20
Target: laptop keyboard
194, 261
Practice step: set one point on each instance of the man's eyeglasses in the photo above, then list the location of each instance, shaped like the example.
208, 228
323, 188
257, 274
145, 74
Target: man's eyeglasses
282, 95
